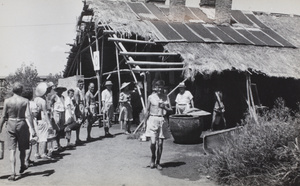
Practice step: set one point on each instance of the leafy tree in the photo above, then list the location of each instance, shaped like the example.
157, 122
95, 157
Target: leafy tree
27, 75
53, 78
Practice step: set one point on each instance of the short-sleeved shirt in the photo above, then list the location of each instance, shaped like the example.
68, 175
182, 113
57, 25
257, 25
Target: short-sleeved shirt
107, 96
184, 98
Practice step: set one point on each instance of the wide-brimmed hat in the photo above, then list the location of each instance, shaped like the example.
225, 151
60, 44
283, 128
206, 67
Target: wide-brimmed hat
41, 89
181, 85
60, 87
108, 83
125, 84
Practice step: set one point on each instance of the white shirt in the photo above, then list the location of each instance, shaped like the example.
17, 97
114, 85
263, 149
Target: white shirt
184, 98
107, 96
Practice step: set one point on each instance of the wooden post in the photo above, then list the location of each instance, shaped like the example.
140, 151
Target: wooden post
118, 68
98, 75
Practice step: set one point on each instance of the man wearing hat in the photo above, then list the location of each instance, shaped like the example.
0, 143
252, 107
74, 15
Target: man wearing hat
125, 107
43, 120
108, 107
184, 99
58, 107
15, 111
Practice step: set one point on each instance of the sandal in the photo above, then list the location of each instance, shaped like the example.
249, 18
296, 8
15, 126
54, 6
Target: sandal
12, 178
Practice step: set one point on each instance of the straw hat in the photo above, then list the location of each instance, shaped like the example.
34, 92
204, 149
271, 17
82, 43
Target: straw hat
107, 83
59, 87
181, 85
125, 84
41, 89
50, 84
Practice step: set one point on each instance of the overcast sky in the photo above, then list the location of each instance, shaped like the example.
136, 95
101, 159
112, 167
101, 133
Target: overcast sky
36, 31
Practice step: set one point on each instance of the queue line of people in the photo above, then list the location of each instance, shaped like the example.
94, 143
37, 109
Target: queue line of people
30, 120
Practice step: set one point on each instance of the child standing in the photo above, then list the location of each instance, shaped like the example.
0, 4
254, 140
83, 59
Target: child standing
125, 116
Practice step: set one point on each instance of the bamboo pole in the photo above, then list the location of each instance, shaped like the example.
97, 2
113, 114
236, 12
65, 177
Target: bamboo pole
176, 87
157, 69
155, 63
118, 68
131, 41
134, 77
148, 54
98, 74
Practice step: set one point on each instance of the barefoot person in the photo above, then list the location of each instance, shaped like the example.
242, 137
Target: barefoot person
79, 108
157, 126
15, 111
125, 116
90, 106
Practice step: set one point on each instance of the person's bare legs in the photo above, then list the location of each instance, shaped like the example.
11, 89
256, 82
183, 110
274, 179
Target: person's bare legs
27, 155
12, 159
153, 151
159, 153
22, 161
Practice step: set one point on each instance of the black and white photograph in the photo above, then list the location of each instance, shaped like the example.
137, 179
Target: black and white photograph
150, 92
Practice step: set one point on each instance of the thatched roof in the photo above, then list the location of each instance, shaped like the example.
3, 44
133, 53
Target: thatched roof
204, 57
120, 18
272, 61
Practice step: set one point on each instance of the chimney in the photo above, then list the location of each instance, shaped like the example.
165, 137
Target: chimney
223, 11
177, 10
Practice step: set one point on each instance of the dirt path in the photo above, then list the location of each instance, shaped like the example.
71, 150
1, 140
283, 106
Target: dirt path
112, 161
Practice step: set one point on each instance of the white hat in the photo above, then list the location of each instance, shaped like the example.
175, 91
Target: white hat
107, 83
125, 84
41, 89
181, 85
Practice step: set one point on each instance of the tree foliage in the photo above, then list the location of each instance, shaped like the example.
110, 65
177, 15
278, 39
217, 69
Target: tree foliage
27, 75
53, 78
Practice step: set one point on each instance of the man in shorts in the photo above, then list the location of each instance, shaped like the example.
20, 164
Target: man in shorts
15, 111
58, 107
91, 110
107, 107
157, 126
79, 108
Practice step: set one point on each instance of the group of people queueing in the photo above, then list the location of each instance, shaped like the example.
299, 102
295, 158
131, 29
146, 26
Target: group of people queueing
41, 122
45, 121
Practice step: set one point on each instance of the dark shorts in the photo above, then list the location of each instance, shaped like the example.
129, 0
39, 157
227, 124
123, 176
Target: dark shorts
17, 132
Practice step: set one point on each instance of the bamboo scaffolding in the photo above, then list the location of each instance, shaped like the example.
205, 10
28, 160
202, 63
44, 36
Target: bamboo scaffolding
148, 54
155, 63
157, 69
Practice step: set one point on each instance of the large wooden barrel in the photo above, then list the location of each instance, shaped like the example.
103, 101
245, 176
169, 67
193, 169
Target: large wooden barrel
186, 129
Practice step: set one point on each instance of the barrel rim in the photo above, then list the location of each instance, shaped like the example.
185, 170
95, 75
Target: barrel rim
179, 116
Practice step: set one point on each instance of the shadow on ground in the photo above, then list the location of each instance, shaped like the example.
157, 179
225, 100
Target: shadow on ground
27, 174
185, 168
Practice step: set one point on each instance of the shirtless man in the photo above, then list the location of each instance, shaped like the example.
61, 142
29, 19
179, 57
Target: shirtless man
15, 111
157, 126
90, 109
79, 107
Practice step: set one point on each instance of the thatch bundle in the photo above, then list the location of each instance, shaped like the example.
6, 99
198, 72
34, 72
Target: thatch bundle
120, 18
